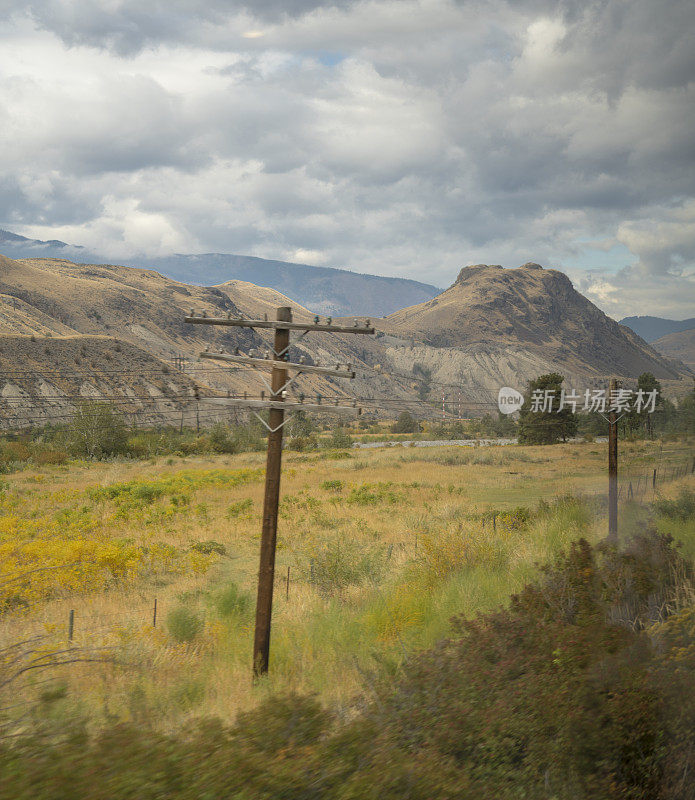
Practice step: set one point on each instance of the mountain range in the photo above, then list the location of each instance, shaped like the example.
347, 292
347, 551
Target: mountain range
322, 289
672, 338
61, 324
653, 328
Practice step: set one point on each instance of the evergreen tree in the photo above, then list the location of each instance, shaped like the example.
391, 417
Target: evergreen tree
406, 423
540, 420
634, 420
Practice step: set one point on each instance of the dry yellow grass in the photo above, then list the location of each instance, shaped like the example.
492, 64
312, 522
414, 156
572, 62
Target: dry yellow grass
389, 530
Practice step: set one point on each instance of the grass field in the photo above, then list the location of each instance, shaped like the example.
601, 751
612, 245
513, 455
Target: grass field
382, 548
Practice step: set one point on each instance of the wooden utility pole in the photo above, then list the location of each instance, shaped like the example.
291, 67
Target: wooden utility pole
266, 570
612, 466
277, 406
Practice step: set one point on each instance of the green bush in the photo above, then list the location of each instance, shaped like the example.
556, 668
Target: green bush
339, 439
232, 601
372, 494
183, 624
338, 563
332, 485
209, 547
240, 508
683, 508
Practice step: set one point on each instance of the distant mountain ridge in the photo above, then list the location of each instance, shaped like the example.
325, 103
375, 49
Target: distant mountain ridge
324, 290
653, 328
493, 327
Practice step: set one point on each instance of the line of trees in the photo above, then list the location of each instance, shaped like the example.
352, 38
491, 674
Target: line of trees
550, 426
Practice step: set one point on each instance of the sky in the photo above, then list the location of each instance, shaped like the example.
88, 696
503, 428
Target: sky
397, 137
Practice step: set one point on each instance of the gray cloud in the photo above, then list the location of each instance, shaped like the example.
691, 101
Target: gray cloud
129, 25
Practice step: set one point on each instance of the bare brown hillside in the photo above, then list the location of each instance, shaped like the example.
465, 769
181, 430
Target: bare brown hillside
136, 305
43, 378
50, 298
679, 346
529, 313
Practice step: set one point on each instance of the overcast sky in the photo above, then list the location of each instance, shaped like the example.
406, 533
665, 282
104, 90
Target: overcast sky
398, 137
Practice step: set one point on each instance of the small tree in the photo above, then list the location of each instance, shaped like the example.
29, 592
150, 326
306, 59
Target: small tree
96, 431
685, 415
634, 419
340, 439
301, 424
406, 423
423, 375
542, 422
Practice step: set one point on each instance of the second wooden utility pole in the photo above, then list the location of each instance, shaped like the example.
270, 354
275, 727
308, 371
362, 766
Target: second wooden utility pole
266, 569
612, 465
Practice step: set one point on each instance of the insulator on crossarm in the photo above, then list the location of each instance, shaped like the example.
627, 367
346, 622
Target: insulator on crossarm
207, 348
366, 323
302, 359
192, 314
329, 320
229, 315
236, 351
316, 320
205, 313
265, 317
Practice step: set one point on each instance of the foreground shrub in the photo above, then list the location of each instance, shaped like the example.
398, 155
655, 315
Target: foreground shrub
557, 695
683, 508
231, 601
336, 563
183, 624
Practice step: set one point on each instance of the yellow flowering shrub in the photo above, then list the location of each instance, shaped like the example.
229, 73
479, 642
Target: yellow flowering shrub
71, 542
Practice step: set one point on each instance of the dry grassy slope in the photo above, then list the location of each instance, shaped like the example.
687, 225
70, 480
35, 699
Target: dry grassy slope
50, 296
500, 316
255, 301
679, 346
136, 305
43, 378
